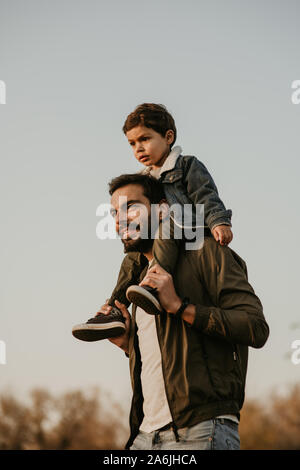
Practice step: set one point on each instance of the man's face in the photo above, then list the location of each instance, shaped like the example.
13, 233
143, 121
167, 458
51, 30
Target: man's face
149, 147
130, 205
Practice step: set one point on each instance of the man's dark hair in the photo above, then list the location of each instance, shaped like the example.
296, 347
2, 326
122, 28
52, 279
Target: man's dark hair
154, 116
152, 188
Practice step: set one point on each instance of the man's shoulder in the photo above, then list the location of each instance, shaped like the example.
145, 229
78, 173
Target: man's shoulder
213, 254
208, 249
209, 245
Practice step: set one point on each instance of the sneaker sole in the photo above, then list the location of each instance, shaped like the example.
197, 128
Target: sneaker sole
143, 299
95, 332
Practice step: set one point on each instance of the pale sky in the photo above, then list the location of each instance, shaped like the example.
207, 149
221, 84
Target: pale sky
73, 71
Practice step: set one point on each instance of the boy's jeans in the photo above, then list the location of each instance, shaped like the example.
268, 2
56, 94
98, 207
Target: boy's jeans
214, 434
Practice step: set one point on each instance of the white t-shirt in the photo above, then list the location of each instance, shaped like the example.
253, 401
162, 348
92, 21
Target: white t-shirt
156, 408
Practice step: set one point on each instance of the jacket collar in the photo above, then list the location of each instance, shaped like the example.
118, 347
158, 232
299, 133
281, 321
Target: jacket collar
168, 165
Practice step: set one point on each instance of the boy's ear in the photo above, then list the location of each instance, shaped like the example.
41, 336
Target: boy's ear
170, 136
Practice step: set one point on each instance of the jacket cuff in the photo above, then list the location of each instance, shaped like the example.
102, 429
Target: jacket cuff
220, 222
219, 218
201, 317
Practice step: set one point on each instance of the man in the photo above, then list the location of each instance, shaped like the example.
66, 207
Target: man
188, 365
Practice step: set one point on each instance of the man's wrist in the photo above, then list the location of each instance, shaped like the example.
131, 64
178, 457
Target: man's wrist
185, 302
125, 348
175, 306
189, 314
123, 344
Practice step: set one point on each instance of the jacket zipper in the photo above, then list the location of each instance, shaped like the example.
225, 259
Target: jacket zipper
236, 357
205, 356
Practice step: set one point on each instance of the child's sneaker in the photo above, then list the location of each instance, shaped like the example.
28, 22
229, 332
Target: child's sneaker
101, 327
145, 298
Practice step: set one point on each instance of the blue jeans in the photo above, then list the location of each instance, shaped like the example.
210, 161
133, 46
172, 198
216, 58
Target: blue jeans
214, 434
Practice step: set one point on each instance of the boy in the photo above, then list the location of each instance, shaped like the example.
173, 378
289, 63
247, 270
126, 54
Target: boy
151, 132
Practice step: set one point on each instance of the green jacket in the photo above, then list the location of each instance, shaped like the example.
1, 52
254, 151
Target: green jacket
204, 364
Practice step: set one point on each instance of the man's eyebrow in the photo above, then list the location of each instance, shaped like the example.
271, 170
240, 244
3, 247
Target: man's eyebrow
133, 201
126, 204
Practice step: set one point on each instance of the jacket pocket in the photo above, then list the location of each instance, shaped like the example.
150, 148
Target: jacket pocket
172, 176
224, 368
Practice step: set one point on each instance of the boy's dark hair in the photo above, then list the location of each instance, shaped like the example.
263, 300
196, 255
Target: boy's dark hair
154, 116
152, 188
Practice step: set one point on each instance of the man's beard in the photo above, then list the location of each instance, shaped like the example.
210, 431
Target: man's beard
140, 245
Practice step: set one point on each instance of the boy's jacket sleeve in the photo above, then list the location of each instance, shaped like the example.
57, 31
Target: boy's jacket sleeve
237, 315
201, 189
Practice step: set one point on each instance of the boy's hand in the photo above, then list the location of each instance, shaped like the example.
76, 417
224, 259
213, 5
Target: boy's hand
222, 234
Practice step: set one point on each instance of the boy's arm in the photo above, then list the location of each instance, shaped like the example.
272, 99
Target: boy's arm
201, 189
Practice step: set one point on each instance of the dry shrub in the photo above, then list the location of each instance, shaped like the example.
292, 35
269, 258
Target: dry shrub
274, 427
78, 420
74, 420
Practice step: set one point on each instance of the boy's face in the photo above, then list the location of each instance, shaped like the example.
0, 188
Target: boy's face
149, 147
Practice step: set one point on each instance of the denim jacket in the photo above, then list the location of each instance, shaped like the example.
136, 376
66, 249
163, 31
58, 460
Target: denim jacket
187, 181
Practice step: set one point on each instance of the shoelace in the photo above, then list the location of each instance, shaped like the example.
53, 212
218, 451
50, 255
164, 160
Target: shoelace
113, 313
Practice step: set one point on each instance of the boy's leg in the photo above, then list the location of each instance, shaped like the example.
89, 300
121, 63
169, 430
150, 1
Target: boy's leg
130, 271
165, 252
166, 246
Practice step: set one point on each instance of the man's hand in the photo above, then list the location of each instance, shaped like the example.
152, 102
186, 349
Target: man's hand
161, 280
121, 341
222, 234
